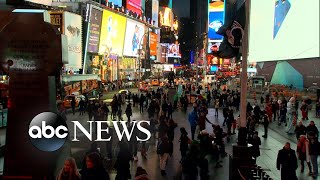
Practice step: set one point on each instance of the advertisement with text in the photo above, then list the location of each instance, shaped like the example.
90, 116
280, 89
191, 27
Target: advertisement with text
134, 5
153, 44
112, 33
56, 19
73, 31
94, 30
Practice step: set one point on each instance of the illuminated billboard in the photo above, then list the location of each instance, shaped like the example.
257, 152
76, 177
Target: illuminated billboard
165, 17
283, 30
116, 2
94, 30
134, 35
56, 19
155, 12
112, 33
134, 5
215, 20
170, 50
73, 31
153, 44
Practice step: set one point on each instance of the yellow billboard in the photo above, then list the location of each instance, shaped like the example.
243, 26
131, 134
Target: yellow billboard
112, 33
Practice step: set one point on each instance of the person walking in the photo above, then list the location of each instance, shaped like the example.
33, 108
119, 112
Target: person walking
122, 164
73, 105
292, 115
314, 150
304, 111
81, 106
287, 163
193, 120
216, 106
303, 152
163, 150
141, 101
300, 130
312, 130
184, 142
265, 124
256, 142
129, 112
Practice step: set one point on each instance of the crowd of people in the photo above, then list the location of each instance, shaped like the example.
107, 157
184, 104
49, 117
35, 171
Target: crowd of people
200, 145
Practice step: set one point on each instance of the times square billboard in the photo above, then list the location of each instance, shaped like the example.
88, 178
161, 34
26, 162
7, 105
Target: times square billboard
94, 29
216, 15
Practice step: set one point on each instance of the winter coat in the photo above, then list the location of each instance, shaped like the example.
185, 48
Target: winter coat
256, 142
287, 159
193, 118
300, 130
94, 174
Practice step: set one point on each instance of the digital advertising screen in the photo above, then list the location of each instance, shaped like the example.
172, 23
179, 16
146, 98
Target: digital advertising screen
215, 19
165, 17
283, 30
134, 5
153, 44
116, 2
134, 34
174, 50
73, 31
112, 33
94, 30
155, 12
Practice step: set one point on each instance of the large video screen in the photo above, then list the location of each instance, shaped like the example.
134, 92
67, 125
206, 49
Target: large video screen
134, 34
283, 30
215, 20
134, 5
170, 50
112, 33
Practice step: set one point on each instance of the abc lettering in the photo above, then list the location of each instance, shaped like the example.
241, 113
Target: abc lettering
47, 131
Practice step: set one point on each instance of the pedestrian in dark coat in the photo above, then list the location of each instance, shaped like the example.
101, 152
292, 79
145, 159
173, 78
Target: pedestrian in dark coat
287, 163
73, 104
184, 142
122, 164
300, 130
129, 112
94, 169
265, 124
256, 142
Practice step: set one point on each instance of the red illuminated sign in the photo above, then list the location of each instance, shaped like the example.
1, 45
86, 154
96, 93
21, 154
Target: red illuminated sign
134, 5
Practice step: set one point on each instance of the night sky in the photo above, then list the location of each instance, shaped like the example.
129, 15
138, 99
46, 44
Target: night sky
181, 8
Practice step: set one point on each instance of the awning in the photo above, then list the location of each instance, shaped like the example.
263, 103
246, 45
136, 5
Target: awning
80, 77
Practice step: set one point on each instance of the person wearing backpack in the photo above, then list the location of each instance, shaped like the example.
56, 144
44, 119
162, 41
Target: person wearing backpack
163, 151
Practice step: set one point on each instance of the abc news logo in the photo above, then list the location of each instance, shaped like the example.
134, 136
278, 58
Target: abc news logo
49, 132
